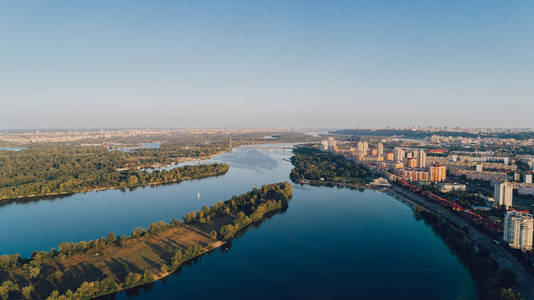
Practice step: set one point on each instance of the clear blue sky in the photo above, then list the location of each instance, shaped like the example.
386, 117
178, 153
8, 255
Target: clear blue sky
266, 63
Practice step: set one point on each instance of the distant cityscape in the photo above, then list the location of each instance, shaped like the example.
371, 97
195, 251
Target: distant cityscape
429, 165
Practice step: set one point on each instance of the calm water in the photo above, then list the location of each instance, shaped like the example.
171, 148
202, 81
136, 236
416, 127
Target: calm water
330, 243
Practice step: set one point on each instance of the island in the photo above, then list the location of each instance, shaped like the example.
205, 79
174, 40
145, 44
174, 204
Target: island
86, 270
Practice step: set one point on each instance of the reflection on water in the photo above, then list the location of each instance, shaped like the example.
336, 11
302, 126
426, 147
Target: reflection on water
329, 243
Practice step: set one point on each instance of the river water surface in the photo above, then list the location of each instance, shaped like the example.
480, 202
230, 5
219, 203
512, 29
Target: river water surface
330, 243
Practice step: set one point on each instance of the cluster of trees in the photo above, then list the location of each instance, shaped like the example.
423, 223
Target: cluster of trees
492, 283
8, 261
87, 290
248, 204
50, 174
242, 210
313, 164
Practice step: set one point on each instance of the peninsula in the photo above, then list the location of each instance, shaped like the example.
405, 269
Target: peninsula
86, 270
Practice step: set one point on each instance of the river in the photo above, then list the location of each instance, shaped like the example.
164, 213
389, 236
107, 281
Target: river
330, 243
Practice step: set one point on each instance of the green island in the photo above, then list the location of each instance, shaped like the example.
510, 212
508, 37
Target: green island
67, 170
313, 166
86, 270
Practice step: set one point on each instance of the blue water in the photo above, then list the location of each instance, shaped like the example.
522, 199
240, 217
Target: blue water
16, 149
330, 243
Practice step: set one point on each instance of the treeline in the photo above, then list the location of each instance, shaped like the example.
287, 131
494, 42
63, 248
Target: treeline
27, 276
109, 178
244, 210
493, 283
313, 164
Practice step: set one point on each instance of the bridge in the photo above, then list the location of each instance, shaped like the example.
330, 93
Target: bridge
268, 147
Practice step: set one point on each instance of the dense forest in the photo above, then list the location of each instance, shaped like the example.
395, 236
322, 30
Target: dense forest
315, 165
60, 170
85, 270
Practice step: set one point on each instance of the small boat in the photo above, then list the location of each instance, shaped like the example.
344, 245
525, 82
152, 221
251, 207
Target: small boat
198, 196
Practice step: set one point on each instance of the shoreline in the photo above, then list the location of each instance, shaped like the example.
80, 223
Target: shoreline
525, 281
116, 263
106, 188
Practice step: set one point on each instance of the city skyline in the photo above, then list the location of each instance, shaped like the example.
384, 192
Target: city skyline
300, 64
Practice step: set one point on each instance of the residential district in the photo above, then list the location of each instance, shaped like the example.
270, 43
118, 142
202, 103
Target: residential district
481, 186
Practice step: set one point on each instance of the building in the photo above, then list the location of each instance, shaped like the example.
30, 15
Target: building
528, 178
438, 173
331, 144
447, 187
398, 154
503, 194
380, 149
411, 163
518, 230
324, 145
420, 155
479, 168
390, 156
363, 147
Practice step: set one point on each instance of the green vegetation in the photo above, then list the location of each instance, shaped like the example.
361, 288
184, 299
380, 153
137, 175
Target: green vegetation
492, 282
70, 170
86, 270
317, 166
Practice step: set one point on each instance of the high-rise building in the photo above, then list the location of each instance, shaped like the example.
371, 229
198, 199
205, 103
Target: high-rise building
503, 194
518, 230
438, 173
331, 144
411, 163
324, 145
421, 158
380, 149
363, 147
398, 154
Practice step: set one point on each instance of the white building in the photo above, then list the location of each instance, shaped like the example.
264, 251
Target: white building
324, 145
528, 178
518, 230
421, 158
503, 194
331, 144
398, 154
380, 149
363, 147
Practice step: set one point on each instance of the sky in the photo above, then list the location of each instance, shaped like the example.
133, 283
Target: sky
335, 64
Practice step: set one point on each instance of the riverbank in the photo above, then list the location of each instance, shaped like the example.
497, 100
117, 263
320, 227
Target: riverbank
333, 183
91, 269
525, 281
130, 184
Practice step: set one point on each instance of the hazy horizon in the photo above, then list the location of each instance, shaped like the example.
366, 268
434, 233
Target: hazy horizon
304, 64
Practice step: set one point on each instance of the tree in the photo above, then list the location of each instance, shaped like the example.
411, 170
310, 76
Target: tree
27, 291
6, 288
507, 278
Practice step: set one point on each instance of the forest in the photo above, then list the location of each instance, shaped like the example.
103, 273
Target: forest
84, 270
61, 170
315, 165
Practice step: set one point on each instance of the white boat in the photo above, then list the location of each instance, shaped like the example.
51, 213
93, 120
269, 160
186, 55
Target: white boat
198, 196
